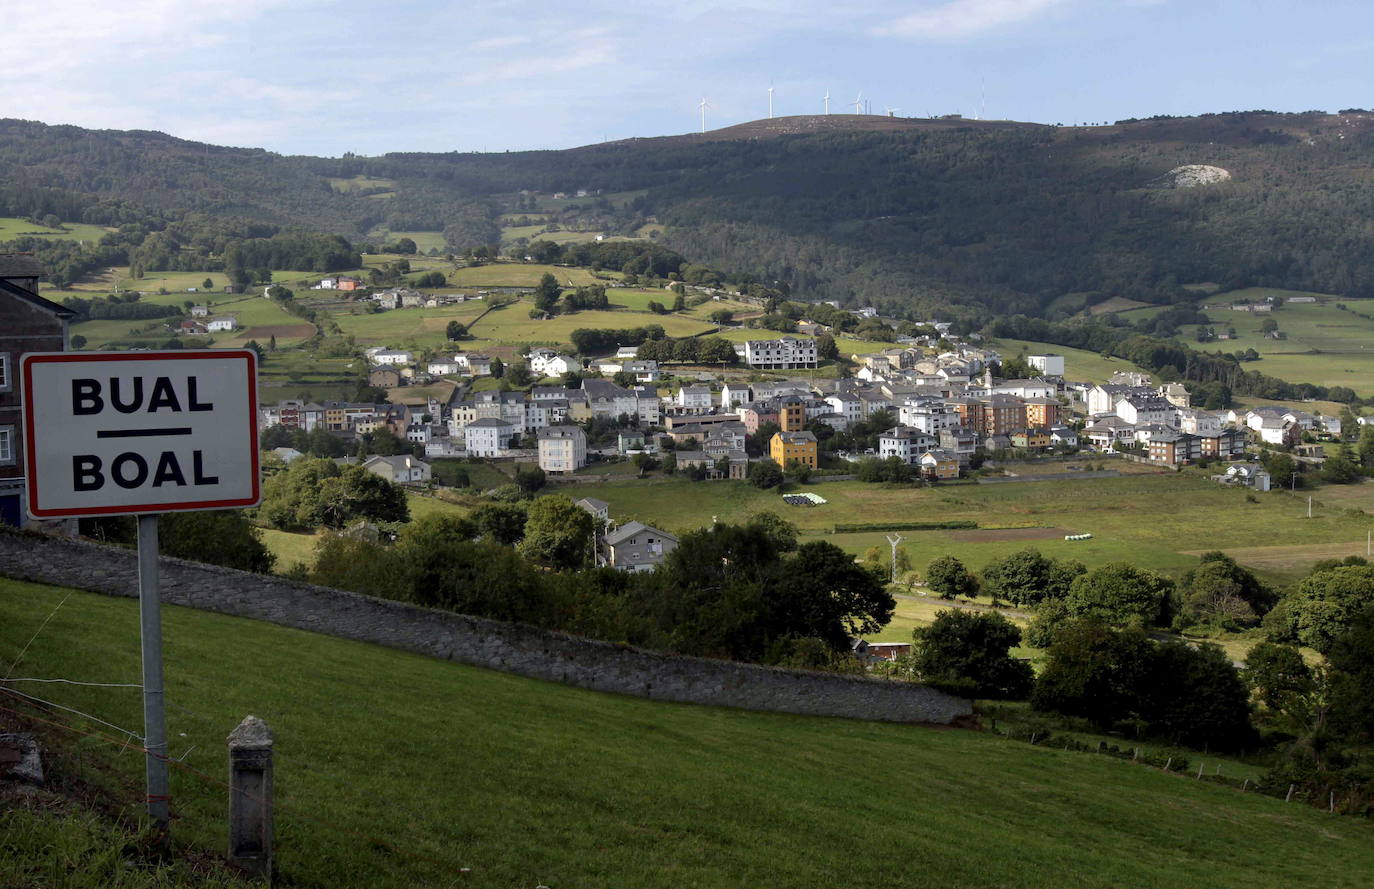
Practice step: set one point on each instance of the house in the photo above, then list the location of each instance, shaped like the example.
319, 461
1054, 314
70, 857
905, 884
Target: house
905, 443
784, 353
940, 464
488, 437
694, 398
385, 377
30, 324
392, 356
1050, 365
733, 394
960, 441
479, 365
444, 367
1174, 448
200, 312
599, 509
1031, 439
562, 448
1063, 437
402, 469
287, 455
799, 446
635, 546
1252, 475
643, 371
222, 323
629, 441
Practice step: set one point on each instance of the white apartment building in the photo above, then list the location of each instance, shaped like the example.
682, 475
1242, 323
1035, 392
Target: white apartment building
905, 443
562, 448
1049, 365
780, 354
488, 437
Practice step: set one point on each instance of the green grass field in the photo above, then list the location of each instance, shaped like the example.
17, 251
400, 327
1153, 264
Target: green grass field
519, 274
259, 318
400, 328
512, 324
480, 779
1080, 365
1156, 521
1324, 345
15, 226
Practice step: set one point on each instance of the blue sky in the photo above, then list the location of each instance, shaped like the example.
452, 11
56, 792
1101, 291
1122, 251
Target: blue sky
325, 77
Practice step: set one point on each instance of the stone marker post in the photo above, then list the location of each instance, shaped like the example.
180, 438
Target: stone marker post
250, 798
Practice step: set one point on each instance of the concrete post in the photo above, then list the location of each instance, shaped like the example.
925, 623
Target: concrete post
250, 798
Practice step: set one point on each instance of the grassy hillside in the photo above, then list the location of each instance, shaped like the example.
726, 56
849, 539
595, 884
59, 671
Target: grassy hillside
437, 768
1080, 365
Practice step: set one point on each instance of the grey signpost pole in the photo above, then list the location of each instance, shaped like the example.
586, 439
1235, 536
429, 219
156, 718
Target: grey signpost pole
154, 718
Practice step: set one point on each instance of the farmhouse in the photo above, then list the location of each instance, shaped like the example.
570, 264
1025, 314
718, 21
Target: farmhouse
402, 469
222, 323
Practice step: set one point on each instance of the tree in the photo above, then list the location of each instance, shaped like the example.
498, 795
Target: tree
657, 307
502, 523
498, 368
208, 284
826, 349
1095, 672
558, 533
1278, 675
1339, 468
1268, 325
765, 474
782, 533
1219, 590
78, 341
1325, 603
1118, 593
455, 330
220, 538
518, 373
970, 652
547, 293
530, 478
831, 598
947, 576
1021, 578
797, 471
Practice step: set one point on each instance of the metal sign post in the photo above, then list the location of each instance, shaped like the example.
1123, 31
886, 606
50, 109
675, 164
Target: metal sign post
154, 717
141, 433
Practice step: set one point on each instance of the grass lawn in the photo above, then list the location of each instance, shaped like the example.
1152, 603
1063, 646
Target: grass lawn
12, 227
290, 547
1079, 364
482, 779
519, 274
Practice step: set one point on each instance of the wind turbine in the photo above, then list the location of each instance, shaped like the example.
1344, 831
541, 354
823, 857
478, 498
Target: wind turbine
770, 101
704, 106
826, 99
891, 110
858, 103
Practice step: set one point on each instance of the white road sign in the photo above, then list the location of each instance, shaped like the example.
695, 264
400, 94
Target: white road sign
107, 433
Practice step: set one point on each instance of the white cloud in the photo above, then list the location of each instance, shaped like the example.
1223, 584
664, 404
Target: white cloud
956, 19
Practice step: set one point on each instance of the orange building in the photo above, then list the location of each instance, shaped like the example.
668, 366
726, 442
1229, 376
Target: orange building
800, 446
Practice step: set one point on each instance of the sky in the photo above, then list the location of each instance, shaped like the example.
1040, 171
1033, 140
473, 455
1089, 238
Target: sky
325, 77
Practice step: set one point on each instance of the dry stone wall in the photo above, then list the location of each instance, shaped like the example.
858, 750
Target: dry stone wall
508, 647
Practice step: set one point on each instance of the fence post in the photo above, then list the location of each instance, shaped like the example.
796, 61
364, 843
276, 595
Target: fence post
250, 798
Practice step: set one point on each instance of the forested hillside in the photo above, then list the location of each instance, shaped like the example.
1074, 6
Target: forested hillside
967, 220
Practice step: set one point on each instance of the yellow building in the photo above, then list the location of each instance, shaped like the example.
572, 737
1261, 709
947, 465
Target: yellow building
800, 446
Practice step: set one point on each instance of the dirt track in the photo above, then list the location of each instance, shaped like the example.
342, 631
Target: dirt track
989, 535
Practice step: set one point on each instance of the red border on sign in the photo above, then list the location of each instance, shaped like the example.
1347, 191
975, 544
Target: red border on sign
30, 451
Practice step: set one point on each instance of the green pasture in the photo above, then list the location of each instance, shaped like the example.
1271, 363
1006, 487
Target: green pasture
358, 183
417, 328
12, 227
512, 233
1159, 521
512, 324
1079, 364
520, 274
396, 770
1324, 345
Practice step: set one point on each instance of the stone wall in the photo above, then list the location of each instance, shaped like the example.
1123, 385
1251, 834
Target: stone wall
511, 648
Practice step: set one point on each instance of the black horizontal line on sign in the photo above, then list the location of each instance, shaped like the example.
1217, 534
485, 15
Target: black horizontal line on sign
143, 433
